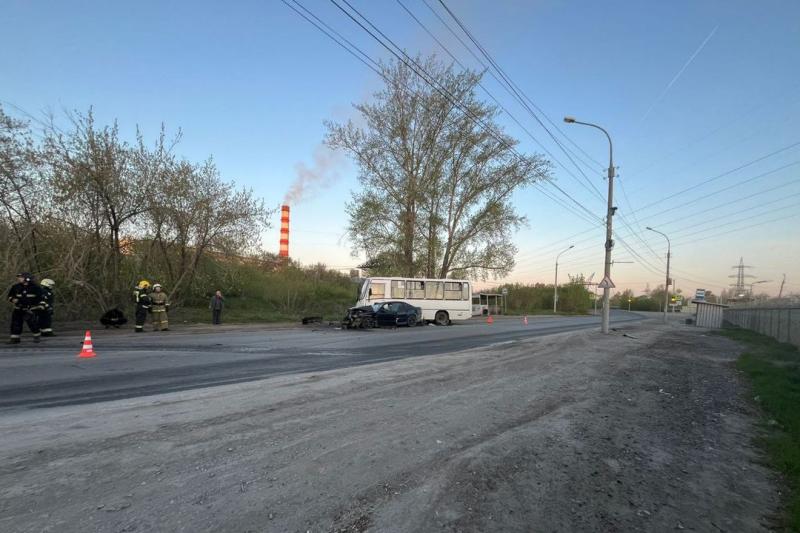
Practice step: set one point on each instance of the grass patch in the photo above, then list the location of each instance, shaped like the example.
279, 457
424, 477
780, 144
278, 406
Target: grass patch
774, 370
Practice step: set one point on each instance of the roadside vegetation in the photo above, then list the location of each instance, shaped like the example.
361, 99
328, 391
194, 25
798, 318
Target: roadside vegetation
95, 212
774, 370
573, 298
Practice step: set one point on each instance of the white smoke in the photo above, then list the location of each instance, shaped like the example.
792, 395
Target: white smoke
323, 173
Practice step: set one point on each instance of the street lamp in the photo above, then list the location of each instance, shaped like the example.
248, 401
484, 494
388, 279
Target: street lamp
666, 286
555, 285
609, 214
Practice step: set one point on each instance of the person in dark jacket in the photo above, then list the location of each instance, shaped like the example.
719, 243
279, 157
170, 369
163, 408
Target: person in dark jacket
45, 316
216, 305
143, 301
26, 297
113, 318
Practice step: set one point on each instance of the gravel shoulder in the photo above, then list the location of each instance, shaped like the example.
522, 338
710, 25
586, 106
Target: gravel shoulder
570, 432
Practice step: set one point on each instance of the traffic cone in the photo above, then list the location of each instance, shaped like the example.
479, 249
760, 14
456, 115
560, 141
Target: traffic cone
88, 350
525, 320
490, 320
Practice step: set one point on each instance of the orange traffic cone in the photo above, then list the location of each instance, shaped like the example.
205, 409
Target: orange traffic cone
525, 320
490, 320
88, 350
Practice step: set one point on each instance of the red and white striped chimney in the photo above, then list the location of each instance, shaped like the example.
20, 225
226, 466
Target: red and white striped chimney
284, 250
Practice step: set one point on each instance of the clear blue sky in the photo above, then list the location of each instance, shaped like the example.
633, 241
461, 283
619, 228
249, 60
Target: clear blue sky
251, 83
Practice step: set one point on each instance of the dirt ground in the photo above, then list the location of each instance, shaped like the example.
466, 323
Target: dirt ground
571, 432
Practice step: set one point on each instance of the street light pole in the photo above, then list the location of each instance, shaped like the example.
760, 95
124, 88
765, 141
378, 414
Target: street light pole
555, 285
609, 215
666, 285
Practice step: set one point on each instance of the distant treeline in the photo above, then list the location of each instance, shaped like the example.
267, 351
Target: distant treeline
573, 297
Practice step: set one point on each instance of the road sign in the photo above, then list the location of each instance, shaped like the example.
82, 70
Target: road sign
505, 291
606, 283
700, 294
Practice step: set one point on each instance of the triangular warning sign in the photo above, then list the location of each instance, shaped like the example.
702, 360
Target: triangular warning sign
606, 283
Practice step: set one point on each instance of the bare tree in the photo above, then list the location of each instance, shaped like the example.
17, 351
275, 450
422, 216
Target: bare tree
194, 211
19, 188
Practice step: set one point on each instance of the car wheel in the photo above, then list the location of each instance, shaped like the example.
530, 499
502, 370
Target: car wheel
412, 321
441, 318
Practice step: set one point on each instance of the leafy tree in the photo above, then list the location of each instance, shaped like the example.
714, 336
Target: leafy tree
436, 181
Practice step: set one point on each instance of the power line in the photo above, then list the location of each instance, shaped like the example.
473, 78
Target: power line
489, 93
516, 92
416, 68
718, 176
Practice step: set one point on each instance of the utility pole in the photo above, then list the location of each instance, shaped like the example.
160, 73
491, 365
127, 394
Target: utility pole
666, 285
780, 292
555, 285
606, 283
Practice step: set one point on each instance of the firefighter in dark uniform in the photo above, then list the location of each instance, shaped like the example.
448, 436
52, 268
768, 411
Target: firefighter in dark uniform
141, 296
45, 316
26, 297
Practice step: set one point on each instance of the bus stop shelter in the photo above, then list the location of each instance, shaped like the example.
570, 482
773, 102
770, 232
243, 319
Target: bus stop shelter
708, 315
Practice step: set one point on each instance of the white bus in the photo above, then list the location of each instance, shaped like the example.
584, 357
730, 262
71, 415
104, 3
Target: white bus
441, 300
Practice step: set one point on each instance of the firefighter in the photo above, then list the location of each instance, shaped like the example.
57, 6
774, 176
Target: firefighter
143, 302
26, 297
45, 316
160, 308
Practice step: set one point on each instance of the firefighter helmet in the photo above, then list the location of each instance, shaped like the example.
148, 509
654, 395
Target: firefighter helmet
27, 277
144, 284
47, 282
156, 286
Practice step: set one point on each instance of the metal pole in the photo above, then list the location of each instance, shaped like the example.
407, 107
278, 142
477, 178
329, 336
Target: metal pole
666, 284
555, 285
609, 241
555, 289
609, 216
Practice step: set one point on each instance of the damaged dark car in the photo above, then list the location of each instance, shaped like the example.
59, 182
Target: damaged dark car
380, 314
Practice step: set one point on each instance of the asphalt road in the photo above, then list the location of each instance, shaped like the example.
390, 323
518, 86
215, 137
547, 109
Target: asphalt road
132, 365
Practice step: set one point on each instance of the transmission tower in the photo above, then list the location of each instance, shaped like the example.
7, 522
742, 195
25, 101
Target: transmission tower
739, 289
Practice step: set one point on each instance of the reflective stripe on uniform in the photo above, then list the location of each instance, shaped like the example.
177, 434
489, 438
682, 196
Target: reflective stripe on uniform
47, 330
15, 336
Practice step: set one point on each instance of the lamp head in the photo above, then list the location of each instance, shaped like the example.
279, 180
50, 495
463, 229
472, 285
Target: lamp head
569, 120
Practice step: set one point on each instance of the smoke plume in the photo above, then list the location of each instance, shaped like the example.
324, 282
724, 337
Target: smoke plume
323, 172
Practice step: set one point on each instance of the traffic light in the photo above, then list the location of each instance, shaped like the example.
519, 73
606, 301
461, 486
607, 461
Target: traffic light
674, 299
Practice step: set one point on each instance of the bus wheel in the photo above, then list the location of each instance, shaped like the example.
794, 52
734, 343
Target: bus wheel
442, 318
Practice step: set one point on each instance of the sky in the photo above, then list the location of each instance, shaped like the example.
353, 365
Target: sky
701, 99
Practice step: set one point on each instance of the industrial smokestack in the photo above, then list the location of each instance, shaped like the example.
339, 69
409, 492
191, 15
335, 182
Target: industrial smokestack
284, 250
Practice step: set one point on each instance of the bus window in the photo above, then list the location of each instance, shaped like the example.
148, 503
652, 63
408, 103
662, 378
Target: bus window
398, 288
377, 291
452, 291
465, 292
415, 290
434, 290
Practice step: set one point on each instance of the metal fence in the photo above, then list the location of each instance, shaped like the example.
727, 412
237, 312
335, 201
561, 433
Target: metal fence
781, 323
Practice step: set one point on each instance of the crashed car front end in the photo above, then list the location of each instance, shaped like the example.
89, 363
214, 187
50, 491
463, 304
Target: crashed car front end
360, 318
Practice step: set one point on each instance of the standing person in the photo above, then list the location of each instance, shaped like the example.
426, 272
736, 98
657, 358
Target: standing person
26, 296
143, 301
216, 305
45, 316
160, 308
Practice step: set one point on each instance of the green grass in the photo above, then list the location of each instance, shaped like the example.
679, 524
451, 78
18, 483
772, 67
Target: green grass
774, 370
